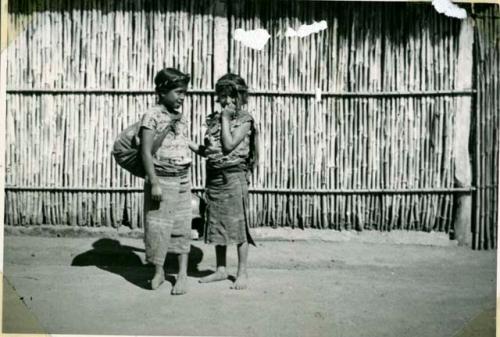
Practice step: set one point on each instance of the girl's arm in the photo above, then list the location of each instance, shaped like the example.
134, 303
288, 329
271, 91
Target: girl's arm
147, 161
198, 149
231, 140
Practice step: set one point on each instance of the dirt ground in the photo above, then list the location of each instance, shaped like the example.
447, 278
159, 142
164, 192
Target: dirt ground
301, 288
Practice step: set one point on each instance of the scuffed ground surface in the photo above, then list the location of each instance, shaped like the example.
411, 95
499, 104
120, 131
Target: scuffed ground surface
302, 288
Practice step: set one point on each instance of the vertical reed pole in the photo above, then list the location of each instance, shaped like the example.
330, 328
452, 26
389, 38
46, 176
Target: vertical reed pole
3, 107
220, 43
463, 216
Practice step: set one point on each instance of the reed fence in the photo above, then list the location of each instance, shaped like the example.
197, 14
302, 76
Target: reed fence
486, 122
94, 45
346, 143
374, 153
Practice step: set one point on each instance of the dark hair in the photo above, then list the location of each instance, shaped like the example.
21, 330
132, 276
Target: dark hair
232, 85
254, 156
170, 78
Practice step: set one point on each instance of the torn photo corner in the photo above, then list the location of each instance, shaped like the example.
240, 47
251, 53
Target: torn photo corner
258, 38
255, 39
306, 30
448, 8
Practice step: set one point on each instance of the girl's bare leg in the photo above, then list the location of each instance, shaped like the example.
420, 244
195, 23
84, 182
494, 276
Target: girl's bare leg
220, 273
158, 278
180, 286
242, 276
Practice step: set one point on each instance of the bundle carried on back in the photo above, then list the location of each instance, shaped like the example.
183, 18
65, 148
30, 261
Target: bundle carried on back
127, 149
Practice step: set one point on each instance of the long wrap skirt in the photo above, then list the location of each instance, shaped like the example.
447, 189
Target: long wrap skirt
167, 224
227, 208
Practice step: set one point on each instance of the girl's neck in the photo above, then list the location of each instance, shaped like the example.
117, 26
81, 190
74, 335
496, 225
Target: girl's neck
171, 110
237, 111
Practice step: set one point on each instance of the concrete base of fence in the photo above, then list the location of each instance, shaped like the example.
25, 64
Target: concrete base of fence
259, 234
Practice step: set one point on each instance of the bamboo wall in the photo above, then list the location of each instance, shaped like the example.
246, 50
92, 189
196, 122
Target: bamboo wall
348, 148
485, 138
63, 139
347, 142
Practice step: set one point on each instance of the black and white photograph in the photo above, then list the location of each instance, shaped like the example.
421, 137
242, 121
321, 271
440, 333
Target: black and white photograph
249, 168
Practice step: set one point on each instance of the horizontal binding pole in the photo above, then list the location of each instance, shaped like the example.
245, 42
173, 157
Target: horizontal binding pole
368, 94
462, 190
486, 187
365, 191
69, 189
73, 189
431, 93
96, 91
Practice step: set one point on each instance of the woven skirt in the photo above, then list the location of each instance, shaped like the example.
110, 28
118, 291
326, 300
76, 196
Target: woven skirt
226, 220
167, 223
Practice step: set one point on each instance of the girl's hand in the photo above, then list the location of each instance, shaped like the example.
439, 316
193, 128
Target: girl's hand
156, 192
198, 149
229, 109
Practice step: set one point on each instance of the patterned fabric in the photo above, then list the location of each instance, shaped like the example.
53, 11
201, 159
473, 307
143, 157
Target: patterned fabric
174, 151
213, 146
167, 224
227, 208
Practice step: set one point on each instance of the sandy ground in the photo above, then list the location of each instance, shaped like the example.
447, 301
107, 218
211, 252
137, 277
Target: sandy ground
301, 288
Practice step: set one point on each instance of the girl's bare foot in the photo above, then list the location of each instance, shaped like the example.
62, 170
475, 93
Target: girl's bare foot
240, 282
219, 275
157, 280
180, 287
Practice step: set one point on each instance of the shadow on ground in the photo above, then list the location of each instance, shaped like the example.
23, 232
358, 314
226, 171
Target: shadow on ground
112, 256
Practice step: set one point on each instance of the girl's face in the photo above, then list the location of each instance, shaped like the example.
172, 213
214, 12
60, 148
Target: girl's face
225, 100
173, 99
